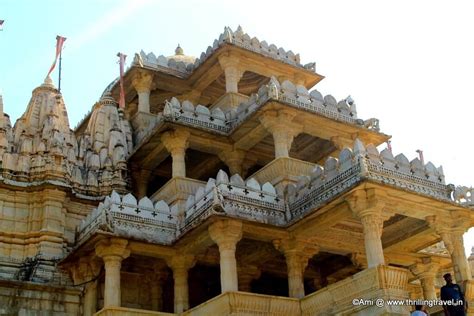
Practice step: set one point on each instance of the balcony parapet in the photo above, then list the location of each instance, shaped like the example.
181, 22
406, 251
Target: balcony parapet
296, 96
125, 217
381, 282
364, 163
236, 198
253, 201
243, 303
238, 38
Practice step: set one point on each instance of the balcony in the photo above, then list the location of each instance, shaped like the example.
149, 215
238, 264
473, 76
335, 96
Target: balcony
242, 303
382, 282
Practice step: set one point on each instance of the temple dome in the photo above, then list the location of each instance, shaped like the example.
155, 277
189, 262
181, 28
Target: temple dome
180, 56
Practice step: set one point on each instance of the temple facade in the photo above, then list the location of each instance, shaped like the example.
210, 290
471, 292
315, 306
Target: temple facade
227, 185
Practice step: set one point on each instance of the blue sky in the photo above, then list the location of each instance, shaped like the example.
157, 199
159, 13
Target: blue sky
408, 63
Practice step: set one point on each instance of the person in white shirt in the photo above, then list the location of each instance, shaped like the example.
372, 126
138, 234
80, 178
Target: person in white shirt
419, 311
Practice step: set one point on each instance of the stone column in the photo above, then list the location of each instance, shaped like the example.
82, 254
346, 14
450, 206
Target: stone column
142, 83
426, 273
180, 264
246, 274
176, 142
112, 251
234, 160
368, 208
90, 298
232, 72
372, 224
282, 128
297, 253
451, 232
142, 177
226, 234
155, 279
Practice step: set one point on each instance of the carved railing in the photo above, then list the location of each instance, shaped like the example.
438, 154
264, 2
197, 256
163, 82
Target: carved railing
234, 197
382, 282
126, 217
238, 38
296, 96
364, 163
249, 200
242, 303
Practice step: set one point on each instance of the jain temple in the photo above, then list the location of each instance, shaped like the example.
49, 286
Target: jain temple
226, 185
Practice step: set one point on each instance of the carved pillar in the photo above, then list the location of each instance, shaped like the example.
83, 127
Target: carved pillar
282, 128
246, 274
451, 232
226, 234
112, 251
426, 273
142, 84
90, 298
234, 160
368, 208
142, 177
86, 271
297, 253
180, 264
232, 72
155, 281
176, 142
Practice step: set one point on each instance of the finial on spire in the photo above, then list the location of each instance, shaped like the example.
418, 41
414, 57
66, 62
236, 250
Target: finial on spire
1, 105
48, 82
179, 50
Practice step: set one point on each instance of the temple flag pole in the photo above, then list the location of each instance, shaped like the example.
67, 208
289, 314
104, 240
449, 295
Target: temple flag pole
122, 91
59, 70
389, 145
420, 154
59, 46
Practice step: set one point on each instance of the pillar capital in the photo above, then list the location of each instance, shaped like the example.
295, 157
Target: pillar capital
426, 273
86, 269
226, 233
181, 261
142, 81
112, 249
232, 70
229, 60
301, 249
176, 140
423, 270
234, 159
451, 230
368, 206
297, 253
280, 124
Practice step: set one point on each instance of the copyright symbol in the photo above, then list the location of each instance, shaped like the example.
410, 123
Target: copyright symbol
355, 302
379, 302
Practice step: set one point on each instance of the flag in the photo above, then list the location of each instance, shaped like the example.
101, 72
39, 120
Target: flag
420, 154
122, 92
389, 145
59, 46
1, 25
